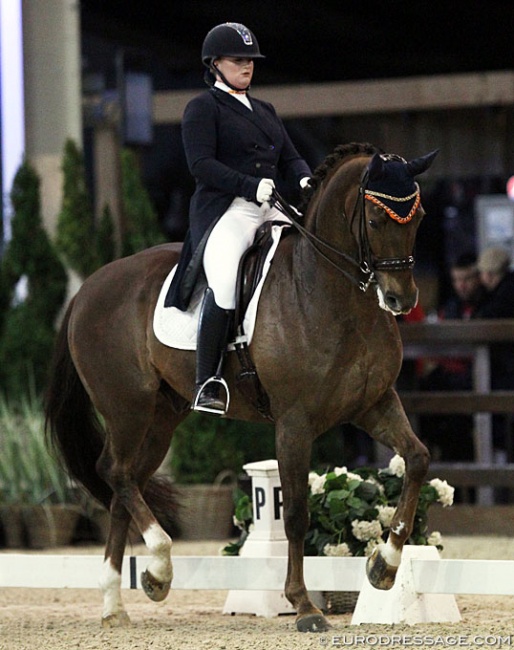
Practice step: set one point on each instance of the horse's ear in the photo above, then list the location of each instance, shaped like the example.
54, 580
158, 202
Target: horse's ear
419, 165
375, 167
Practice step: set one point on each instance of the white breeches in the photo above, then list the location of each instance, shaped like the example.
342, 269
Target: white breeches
230, 237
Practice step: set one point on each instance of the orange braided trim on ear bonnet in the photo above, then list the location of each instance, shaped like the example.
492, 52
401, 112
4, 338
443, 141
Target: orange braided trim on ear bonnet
390, 211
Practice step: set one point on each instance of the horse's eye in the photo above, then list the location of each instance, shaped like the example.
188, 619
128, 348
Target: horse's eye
373, 224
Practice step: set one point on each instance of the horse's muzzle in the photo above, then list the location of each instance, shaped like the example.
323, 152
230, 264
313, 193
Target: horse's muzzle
400, 304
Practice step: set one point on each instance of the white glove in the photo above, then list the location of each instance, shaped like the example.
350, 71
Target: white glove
264, 190
304, 181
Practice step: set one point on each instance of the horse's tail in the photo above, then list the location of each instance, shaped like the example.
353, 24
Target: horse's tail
75, 433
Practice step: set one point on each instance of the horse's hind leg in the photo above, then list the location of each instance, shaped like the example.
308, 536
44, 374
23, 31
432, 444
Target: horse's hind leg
388, 424
134, 451
114, 614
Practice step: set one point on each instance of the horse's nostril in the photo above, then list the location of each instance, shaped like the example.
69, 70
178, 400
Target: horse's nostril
392, 302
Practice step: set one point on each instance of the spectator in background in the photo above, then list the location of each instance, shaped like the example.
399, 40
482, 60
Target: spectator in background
468, 290
454, 373
449, 437
498, 280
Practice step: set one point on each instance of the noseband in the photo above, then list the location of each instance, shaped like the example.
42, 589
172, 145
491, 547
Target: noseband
368, 263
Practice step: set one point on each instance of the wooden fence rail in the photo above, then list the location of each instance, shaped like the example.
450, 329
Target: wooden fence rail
471, 339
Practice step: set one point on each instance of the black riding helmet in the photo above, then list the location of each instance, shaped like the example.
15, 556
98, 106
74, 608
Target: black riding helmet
230, 39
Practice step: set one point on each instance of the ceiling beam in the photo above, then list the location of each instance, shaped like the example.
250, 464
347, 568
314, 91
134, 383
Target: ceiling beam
438, 92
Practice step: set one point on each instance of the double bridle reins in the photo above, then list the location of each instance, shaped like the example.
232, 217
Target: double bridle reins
368, 263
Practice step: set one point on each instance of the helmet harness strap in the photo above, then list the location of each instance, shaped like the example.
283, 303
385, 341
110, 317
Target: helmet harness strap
214, 70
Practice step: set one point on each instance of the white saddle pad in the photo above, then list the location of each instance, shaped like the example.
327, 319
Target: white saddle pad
178, 329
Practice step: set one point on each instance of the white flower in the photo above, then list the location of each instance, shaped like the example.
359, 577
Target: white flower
435, 538
237, 522
444, 491
365, 530
317, 482
312, 477
397, 466
337, 550
371, 546
385, 515
350, 475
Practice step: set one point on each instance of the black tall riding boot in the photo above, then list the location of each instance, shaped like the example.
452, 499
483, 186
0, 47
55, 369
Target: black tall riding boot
211, 393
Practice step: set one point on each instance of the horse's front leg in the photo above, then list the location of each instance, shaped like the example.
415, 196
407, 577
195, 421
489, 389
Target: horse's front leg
387, 423
294, 454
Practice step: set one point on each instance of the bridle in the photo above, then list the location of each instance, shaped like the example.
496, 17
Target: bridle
367, 263
366, 255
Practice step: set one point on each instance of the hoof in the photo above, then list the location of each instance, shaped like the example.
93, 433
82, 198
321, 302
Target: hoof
121, 619
154, 589
381, 575
313, 623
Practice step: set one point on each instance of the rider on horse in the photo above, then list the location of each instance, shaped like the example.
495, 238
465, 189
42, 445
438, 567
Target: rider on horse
236, 148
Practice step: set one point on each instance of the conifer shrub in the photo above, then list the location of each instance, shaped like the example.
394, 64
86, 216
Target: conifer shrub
75, 236
141, 227
30, 261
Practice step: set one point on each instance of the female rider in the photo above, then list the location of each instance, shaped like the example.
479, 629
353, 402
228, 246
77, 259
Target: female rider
236, 148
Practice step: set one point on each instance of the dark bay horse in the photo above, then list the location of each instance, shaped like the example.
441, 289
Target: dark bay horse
326, 347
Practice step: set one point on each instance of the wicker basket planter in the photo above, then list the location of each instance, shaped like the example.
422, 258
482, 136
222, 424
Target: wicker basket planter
340, 602
48, 526
12, 525
206, 510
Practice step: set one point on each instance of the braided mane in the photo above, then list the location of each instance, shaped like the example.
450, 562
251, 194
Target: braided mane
332, 161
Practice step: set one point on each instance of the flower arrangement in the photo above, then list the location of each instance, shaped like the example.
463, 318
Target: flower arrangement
351, 512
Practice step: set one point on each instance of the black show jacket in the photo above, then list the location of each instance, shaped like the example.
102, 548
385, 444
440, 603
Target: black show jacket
229, 149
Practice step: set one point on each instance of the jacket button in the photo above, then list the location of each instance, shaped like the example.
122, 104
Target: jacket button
258, 165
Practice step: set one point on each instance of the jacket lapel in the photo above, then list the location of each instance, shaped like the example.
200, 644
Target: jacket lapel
256, 116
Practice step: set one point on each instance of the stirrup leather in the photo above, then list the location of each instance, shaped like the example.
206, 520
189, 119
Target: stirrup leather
205, 409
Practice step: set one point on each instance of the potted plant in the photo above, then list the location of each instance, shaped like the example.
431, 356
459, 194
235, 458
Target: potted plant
351, 512
207, 456
32, 484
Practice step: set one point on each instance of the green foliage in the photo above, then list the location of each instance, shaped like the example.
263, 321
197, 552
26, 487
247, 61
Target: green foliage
203, 446
87, 245
27, 324
141, 229
243, 518
351, 512
28, 473
75, 237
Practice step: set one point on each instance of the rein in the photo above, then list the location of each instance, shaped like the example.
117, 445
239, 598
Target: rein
317, 243
367, 263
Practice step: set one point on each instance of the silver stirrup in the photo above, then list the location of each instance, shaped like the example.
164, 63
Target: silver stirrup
206, 409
